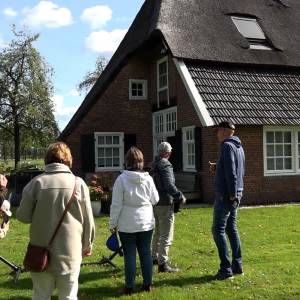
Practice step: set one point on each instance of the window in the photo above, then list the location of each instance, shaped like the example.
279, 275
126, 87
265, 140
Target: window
188, 147
281, 150
137, 89
164, 126
251, 30
109, 151
170, 120
162, 83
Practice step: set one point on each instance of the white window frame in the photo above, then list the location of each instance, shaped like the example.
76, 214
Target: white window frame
260, 37
163, 133
185, 143
145, 89
164, 59
295, 153
120, 146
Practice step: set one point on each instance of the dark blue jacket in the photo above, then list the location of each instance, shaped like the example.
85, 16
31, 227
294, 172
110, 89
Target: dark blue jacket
230, 168
164, 179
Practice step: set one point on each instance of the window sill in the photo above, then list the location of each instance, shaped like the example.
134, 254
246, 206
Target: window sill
189, 170
108, 169
138, 98
281, 174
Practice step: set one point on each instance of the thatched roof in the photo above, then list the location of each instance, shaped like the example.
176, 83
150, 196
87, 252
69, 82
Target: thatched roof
202, 30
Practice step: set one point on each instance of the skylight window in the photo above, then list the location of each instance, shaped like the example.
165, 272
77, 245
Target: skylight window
251, 30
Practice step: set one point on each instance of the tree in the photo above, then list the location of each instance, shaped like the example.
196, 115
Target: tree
25, 92
92, 76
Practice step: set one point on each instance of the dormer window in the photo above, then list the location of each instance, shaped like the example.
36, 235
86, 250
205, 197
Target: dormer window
251, 30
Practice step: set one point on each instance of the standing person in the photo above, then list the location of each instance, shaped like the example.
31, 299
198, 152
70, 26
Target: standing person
229, 186
42, 205
131, 214
5, 212
169, 195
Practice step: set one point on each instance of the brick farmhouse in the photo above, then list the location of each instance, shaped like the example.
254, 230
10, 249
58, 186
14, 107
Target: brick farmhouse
183, 67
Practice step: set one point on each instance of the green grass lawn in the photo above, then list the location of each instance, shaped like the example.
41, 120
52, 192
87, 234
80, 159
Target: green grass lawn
271, 249
7, 165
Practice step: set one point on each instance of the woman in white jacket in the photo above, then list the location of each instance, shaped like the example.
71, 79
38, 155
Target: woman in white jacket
131, 214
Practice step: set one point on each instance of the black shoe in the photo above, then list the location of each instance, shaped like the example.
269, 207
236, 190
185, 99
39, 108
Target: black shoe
127, 291
147, 288
165, 268
223, 276
237, 272
155, 261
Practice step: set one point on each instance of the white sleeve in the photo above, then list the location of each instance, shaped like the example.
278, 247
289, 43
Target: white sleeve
116, 203
154, 193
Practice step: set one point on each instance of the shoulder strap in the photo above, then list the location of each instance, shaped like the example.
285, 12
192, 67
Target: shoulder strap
65, 212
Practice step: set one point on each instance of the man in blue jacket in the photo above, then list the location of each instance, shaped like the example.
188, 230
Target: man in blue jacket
228, 185
169, 199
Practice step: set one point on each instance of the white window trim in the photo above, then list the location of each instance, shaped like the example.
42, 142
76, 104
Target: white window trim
295, 155
187, 168
193, 92
121, 135
145, 89
163, 135
164, 59
259, 47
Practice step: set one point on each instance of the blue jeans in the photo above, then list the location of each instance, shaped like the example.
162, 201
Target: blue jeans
142, 242
224, 222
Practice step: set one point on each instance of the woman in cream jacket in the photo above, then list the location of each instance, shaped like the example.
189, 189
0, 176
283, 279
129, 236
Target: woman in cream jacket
43, 202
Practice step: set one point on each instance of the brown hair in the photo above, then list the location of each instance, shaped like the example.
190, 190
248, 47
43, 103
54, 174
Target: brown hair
134, 159
58, 153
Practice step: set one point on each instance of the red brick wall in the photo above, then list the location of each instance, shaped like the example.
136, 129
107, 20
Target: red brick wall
250, 137
259, 189
114, 112
186, 114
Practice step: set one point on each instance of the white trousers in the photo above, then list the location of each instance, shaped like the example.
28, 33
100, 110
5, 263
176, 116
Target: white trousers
44, 284
164, 232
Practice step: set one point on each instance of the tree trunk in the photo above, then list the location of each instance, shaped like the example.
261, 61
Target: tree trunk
17, 143
4, 151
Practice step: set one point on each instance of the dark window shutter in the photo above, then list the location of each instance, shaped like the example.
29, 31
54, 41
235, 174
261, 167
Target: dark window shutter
88, 153
129, 140
176, 157
198, 148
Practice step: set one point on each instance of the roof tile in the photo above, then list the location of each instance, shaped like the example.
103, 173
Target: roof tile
247, 95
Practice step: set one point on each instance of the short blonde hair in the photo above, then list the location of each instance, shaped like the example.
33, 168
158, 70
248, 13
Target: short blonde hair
134, 159
58, 152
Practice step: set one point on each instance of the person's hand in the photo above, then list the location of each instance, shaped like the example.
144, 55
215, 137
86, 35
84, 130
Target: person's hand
212, 167
3, 181
114, 230
86, 252
183, 199
5, 226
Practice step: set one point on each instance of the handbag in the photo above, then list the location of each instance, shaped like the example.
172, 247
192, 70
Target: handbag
37, 258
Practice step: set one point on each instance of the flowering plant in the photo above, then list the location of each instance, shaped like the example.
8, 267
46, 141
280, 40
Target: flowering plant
96, 191
100, 187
